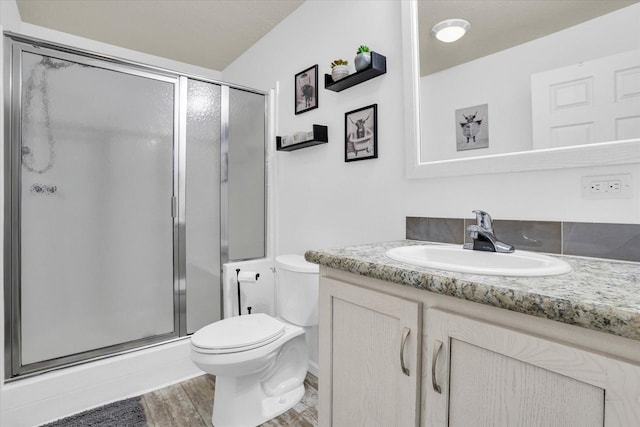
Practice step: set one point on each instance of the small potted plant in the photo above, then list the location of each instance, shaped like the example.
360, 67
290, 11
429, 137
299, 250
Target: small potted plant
363, 58
339, 69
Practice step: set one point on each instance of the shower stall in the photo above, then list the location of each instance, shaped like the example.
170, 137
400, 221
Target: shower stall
126, 189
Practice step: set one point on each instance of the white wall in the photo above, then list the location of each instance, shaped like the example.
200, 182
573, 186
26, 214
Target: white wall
259, 296
325, 202
9, 15
503, 80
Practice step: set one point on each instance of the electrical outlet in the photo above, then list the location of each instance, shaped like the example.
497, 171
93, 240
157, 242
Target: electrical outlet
596, 187
607, 186
615, 186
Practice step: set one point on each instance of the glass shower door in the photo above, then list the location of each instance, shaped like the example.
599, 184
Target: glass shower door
246, 209
202, 206
126, 189
96, 224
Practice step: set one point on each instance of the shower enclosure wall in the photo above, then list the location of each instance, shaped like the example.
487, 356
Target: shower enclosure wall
126, 188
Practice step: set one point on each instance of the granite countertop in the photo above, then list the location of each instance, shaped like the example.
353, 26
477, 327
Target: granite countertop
599, 294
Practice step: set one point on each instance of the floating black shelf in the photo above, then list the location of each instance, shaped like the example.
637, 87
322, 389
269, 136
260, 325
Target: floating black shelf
377, 68
319, 137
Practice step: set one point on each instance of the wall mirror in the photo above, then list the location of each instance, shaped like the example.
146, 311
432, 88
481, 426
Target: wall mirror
533, 85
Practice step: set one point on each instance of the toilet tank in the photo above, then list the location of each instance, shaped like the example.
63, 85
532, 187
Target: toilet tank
297, 290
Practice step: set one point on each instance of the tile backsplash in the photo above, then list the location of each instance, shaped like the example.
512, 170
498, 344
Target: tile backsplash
613, 241
442, 230
599, 240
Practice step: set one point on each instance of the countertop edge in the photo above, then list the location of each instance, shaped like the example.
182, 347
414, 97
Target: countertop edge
587, 314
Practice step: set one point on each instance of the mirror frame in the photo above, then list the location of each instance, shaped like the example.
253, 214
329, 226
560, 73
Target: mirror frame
598, 154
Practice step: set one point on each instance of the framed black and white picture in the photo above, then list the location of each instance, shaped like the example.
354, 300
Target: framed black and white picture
361, 134
472, 127
306, 90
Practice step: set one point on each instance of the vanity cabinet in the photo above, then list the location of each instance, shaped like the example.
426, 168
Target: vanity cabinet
481, 374
469, 364
369, 356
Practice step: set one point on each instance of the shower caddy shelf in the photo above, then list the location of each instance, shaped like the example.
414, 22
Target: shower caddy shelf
377, 68
319, 137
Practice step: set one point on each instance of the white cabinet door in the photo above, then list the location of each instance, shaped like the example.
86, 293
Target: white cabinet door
368, 355
493, 376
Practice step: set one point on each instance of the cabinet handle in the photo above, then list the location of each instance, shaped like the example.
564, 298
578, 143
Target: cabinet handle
405, 335
434, 360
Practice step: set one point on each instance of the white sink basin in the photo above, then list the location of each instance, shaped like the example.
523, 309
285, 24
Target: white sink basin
454, 258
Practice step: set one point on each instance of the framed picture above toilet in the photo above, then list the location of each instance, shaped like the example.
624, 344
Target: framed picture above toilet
361, 134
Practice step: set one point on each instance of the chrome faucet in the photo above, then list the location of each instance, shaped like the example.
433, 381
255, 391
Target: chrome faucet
483, 237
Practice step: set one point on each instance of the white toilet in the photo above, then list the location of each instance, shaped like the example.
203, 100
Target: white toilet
260, 362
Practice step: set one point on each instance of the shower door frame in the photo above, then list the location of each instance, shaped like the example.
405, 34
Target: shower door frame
12, 163
14, 45
13, 178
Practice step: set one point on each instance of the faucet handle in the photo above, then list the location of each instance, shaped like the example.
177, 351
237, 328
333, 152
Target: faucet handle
483, 219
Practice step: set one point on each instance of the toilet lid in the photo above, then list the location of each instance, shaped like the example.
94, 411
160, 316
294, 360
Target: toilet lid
238, 333
296, 263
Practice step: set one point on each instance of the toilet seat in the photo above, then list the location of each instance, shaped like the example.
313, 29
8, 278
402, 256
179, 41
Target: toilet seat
237, 334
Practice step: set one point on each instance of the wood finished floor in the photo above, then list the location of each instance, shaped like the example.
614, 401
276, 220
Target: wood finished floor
189, 404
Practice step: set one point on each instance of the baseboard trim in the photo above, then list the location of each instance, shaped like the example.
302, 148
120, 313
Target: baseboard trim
313, 368
65, 392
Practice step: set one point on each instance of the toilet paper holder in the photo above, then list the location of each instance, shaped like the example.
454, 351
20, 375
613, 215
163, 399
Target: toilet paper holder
245, 277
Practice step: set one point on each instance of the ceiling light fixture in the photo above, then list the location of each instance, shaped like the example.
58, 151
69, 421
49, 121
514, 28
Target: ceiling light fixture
450, 30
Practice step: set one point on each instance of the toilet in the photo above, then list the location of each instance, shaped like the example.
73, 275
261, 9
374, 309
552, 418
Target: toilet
260, 362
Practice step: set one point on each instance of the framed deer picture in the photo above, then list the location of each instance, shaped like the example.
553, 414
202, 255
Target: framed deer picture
306, 90
361, 134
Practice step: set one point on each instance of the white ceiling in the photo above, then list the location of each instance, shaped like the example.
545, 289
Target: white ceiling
208, 33
213, 33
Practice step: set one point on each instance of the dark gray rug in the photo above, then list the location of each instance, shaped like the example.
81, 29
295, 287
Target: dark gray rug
124, 413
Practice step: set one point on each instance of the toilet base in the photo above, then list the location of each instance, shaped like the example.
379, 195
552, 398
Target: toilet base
240, 402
